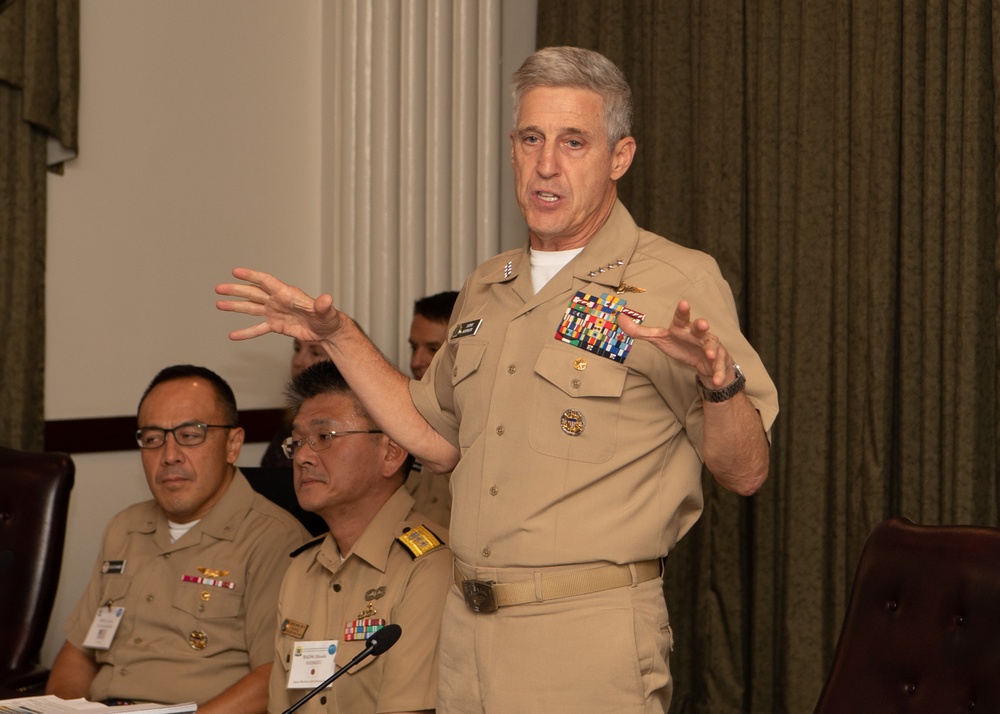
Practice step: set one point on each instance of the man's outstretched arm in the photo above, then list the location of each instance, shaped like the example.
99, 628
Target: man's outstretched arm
381, 388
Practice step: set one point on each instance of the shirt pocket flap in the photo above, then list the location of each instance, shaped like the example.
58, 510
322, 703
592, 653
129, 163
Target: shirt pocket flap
468, 357
207, 602
114, 588
579, 373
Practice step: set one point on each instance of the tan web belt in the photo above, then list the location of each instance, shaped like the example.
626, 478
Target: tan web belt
487, 596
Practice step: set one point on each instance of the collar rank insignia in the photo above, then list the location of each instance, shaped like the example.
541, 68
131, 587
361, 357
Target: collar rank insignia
419, 540
601, 269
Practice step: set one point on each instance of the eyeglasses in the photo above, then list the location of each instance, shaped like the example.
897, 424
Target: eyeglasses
319, 442
153, 437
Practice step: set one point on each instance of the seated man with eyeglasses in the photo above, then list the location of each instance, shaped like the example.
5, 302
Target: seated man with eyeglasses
181, 603
381, 563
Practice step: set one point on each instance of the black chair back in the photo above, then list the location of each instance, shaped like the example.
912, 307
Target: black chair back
922, 628
34, 499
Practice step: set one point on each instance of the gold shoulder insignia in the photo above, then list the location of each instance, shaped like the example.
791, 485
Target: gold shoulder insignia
419, 540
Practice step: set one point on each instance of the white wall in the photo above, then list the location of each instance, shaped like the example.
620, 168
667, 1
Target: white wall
200, 141
199, 128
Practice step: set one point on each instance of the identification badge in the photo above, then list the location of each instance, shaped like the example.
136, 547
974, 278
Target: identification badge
466, 329
294, 629
113, 567
312, 663
103, 628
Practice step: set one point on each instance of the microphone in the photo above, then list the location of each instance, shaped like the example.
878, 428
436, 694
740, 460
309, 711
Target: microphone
375, 645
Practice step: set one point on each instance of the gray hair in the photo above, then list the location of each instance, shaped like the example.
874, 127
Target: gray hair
582, 69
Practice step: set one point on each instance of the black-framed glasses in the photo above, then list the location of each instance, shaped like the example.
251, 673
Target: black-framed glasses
153, 437
319, 441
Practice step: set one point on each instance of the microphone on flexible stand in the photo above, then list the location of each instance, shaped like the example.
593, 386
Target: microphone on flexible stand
376, 645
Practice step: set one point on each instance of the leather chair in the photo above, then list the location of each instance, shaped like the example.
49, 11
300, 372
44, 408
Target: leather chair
922, 628
34, 498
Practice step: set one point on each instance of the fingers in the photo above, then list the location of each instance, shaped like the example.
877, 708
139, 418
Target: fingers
720, 364
248, 333
682, 315
242, 306
323, 305
241, 290
257, 277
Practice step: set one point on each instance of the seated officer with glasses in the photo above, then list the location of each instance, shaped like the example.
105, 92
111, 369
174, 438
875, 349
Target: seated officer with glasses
181, 603
381, 563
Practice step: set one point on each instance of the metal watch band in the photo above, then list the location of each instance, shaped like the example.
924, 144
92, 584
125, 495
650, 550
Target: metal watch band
725, 393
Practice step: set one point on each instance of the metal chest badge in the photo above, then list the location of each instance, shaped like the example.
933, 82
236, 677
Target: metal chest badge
365, 625
572, 422
591, 323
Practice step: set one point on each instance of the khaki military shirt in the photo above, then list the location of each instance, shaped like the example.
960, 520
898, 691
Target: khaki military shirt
324, 594
568, 456
431, 493
181, 639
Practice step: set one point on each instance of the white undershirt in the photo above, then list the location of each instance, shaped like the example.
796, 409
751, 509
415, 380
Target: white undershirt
546, 263
179, 529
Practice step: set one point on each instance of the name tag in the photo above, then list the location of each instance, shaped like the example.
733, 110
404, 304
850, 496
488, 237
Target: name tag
466, 329
312, 663
103, 628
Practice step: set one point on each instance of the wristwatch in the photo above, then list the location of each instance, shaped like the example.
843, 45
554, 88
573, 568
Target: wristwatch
725, 393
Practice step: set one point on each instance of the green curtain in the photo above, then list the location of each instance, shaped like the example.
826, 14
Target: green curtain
839, 159
39, 77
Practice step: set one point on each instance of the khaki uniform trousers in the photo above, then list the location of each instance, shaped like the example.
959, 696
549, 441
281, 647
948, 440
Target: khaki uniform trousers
600, 652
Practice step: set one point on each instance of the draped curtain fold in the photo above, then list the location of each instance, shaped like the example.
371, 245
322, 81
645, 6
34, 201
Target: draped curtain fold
840, 161
411, 157
39, 76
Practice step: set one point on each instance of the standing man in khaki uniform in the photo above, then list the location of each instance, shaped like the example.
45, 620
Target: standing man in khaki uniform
181, 603
428, 333
576, 435
381, 563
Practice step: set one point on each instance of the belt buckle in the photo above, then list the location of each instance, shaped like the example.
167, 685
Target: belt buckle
479, 595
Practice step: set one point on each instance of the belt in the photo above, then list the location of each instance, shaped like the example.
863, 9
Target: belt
487, 596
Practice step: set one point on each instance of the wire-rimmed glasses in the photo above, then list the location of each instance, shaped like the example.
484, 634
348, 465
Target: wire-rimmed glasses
191, 434
319, 441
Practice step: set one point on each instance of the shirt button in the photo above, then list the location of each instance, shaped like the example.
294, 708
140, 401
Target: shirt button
322, 700
138, 640
494, 490
455, 373
336, 587
500, 430
123, 671
167, 556
486, 551
575, 383
511, 368
149, 598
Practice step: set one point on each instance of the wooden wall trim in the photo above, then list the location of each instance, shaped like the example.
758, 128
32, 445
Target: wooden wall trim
85, 436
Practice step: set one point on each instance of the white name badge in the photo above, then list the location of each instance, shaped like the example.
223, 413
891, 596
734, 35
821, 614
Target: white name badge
103, 628
312, 663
